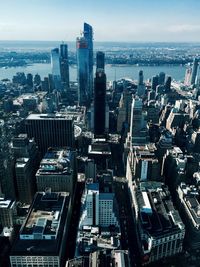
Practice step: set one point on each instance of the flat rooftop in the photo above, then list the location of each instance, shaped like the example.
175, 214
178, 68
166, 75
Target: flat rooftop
6, 203
56, 116
157, 213
191, 198
56, 161
42, 232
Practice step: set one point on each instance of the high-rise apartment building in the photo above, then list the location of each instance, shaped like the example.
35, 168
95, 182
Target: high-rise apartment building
50, 130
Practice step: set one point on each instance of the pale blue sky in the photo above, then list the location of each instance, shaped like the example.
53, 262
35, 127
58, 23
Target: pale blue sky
112, 20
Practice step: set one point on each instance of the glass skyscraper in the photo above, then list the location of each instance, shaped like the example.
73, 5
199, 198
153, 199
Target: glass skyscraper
84, 46
64, 64
88, 34
83, 71
55, 68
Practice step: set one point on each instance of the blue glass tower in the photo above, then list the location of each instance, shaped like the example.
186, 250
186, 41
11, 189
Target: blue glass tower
88, 34
83, 71
64, 64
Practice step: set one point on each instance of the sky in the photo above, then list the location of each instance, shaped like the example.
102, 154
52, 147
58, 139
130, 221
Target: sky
112, 20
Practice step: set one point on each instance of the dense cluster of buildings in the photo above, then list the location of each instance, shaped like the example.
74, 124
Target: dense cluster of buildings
95, 173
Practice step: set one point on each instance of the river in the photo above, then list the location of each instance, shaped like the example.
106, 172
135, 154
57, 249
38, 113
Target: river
118, 71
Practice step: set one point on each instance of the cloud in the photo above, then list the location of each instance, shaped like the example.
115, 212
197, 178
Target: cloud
184, 28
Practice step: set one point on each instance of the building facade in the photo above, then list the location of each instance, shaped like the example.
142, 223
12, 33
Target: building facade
42, 238
50, 130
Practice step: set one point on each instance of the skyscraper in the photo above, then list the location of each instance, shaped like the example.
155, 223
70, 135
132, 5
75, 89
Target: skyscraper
88, 34
161, 78
188, 75
168, 84
82, 70
55, 68
55, 130
141, 77
141, 86
64, 64
99, 102
154, 82
194, 71
100, 60
138, 131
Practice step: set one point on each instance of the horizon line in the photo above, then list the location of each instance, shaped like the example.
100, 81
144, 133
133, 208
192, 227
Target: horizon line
110, 41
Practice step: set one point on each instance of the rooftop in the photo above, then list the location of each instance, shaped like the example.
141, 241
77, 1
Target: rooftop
56, 116
42, 231
156, 210
6, 203
191, 198
56, 161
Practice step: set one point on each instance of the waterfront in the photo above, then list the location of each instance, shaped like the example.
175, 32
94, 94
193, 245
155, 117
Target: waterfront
118, 71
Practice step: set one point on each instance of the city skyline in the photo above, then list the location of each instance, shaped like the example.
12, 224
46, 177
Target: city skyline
132, 21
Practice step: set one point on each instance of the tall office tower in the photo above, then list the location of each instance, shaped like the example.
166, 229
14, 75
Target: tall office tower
64, 64
57, 171
99, 102
55, 68
37, 79
26, 155
141, 78
50, 130
99, 207
168, 84
100, 60
25, 180
141, 86
42, 239
88, 34
83, 71
7, 212
138, 131
161, 78
29, 80
194, 71
154, 82
188, 74
124, 110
